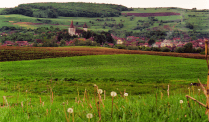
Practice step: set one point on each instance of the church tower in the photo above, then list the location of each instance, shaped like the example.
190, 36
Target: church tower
85, 27
71, 30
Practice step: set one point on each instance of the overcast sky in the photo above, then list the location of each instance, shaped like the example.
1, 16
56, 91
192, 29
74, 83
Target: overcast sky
189, 4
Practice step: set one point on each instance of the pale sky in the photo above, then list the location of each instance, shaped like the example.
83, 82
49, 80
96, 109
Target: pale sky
188, 4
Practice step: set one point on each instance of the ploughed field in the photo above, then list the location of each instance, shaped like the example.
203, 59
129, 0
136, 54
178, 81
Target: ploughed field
151, 14
29, 53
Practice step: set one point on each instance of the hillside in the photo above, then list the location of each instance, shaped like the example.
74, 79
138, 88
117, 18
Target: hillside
71, 9
170, 22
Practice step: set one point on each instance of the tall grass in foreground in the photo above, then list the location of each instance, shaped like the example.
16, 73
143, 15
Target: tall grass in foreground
139, 108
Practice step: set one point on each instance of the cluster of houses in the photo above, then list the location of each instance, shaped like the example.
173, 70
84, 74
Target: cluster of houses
128, 41
171, 44
17, 43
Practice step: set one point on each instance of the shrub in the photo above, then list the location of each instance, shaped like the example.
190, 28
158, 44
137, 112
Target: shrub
62, 43
35, 44
199, 50
132, 48
155, 49
179, 50
119, 46
106, 45
146, 48
188, 48
165, 49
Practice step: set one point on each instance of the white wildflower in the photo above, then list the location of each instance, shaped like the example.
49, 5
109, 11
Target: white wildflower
181, 101
70, 110
89, 115
125, 94
100, 91
113, 94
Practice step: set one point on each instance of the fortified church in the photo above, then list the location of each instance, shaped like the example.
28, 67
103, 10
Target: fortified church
73, 31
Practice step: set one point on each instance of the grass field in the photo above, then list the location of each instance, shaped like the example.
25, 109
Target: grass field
111, 68
56, 84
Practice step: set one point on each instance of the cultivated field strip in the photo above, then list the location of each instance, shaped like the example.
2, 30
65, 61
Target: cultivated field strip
30, 53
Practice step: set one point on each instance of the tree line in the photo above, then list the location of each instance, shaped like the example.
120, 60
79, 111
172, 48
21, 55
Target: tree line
71, 9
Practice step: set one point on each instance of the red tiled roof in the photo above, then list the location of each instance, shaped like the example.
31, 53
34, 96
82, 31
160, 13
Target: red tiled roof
84, 26
8, 42
21, 42
157, 43
71, 25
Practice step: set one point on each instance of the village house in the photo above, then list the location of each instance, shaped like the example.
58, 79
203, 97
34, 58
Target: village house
118, 39
157, 44
74, 31
8, 43
166, 43
143, 44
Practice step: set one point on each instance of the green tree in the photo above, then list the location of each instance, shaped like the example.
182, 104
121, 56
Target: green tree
189, 25
165, 49
62, 43
151, 41
188, 48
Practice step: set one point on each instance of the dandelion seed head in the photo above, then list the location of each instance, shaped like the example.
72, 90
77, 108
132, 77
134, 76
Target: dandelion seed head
125, 94
113, 94
89, 115
70, 110
181, 101
100, 91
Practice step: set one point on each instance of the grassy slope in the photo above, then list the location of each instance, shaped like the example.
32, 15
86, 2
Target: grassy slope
140, 68
200, 21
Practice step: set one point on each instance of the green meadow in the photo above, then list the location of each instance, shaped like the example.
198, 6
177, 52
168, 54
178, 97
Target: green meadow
44, 89
130, 71
138, 68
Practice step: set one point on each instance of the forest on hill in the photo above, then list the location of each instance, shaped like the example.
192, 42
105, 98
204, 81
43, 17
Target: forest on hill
71, 9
